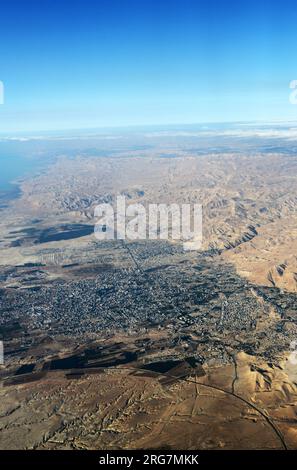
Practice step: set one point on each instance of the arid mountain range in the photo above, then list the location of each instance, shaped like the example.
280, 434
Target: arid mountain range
139, 344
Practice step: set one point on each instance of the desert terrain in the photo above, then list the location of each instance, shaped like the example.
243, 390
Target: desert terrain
121, 344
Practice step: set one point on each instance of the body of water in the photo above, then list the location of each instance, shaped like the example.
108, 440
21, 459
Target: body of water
12, 168
16, 165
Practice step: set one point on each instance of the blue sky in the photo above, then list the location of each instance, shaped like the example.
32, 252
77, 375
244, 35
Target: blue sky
86, 64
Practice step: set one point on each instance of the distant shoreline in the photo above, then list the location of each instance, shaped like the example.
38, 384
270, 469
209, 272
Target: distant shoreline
8, 195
